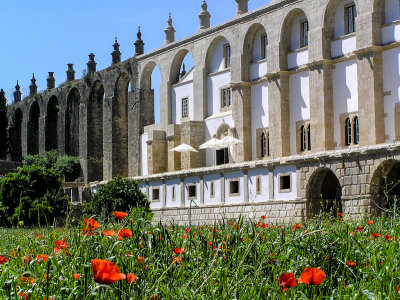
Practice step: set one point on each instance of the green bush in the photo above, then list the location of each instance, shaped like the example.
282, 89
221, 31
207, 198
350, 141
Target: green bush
119, 194
68, 167
33, 195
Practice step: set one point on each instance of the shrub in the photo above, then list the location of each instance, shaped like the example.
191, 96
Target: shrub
32, 195
119, 194
68, 167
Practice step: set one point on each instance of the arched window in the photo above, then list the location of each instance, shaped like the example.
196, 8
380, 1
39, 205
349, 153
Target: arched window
264, 149
268, 149
356, 131
303, 143
309, 137
348, 132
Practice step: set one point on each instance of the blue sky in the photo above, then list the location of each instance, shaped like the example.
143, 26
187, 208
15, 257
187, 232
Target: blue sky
44, 35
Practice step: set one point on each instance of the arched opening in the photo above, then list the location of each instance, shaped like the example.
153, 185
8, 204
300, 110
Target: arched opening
255, 50
95, 132
324, 193
16, 133
52, 124
385, 187
72, 123
120, 127
181, 78
150, 94
222, 155
33, 129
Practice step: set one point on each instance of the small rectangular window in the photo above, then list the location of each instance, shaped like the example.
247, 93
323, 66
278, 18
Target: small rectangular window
285, 183
304, 34
226, 95
264, 46
258, 185
192, 191
156, 194
212, 189
227, 56
173, 192
351, 14
185, 107
234, 188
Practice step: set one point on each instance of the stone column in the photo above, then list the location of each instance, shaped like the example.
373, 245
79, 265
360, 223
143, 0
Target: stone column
24, 137
173, 140
157, 152
83, 145
193, 134
164, 199
200, 93
241, 113
271, 183
201, 191
107, 138
42, 134
134, 133
61, 132
279, 114
245, 186
182, 193
222, 188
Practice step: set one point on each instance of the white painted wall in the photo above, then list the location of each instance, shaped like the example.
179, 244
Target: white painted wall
285, 170
392, 10
157, 204
217, 60
252, 181
391, 33
142, 187
212, 125
258, 69
234, 199
295, 38
169, 186
184, 89
196, 181
343, 46
257, 46
214, 85
216, 178
345, 93
259, 112
298, 58
339, 29
143, 155
391, 83
299, 89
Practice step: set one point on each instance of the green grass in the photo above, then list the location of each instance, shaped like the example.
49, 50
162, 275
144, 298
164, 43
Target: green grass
230, 260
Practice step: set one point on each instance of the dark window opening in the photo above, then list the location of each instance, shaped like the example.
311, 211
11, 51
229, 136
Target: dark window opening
227, 55
284, 182
264, 145
156, 194
212, 189
356, 131
348, 132
234, 187
302, 138
222, 156
309, 137
304, 34
258, 185
192, 191
351, 14
264, 46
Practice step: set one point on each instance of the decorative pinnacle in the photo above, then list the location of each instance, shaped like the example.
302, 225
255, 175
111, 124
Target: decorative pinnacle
170, 20
204, 5
17, 87
33, 80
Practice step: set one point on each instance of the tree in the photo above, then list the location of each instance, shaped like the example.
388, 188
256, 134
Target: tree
3, 125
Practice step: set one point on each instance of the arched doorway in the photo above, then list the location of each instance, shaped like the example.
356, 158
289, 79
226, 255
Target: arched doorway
72, 123
16, 146
33, 129
324, 193
52, 124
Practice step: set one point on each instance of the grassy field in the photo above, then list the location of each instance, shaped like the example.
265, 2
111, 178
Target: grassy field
239, 259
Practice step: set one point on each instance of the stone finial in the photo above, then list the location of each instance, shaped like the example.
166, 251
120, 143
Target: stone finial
116, 54
91, 65
169, 32
33, 87
51, 81
204, 17
70, 72
183, 73
242, 7
139, 45
17, 93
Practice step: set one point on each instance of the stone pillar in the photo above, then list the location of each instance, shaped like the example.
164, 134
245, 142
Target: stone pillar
17, 93
271, 183
91, 65
134, 133
51, 81
182, 193
61, 132
83, 137
107, 138
193, 134
173, 140
200, 93
24, 136
42, 134
370, 96
222, 188
139, 45
241, 113
279, 114
156, 152
321, 107
201, 191
164, 190
245, 186
33, 87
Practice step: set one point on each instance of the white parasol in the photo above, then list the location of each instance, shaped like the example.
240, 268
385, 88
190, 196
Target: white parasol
229, 141
183, 148
211, 144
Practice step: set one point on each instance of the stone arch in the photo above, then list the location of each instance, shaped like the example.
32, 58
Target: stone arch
324, 193
95, 132
147, 106
287, 41
120, 127
72, 123
211, 50
16, 135
223, 130
249, 51
176, 65
51, 130
33, 128
385, 185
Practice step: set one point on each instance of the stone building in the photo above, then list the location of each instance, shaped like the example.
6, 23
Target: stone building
309, 87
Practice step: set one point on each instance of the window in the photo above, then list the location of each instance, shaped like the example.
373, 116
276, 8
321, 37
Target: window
212, 189
348, 132
227, 56
356, 131
156, 194
350, 16
263, 145
304, 34
264, 46
258, 185
309, 137
185, 107
173, 192
234, 187
226, 95
285, 184
303, 130
222, 156
303, 138
192, 191
263, 148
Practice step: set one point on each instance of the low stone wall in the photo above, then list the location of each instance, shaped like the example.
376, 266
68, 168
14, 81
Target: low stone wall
8, 166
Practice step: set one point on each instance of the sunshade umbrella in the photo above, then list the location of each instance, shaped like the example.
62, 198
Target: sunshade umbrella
230, 141
212, 144
183, 148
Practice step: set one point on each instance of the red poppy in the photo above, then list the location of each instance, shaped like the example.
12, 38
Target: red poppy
42, 257
90, 225
389, 237
178, 250
119, 215
187, 230
296, 226
263, 217
124, 233
61, 245
105, 272
376, 235
109, 233
24, 295
130, 277
351, 264
340, 214
264, 225
287, 280
76, 276
313, 276
141, 260
369, 222
359, 229
176, 260
3, 259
